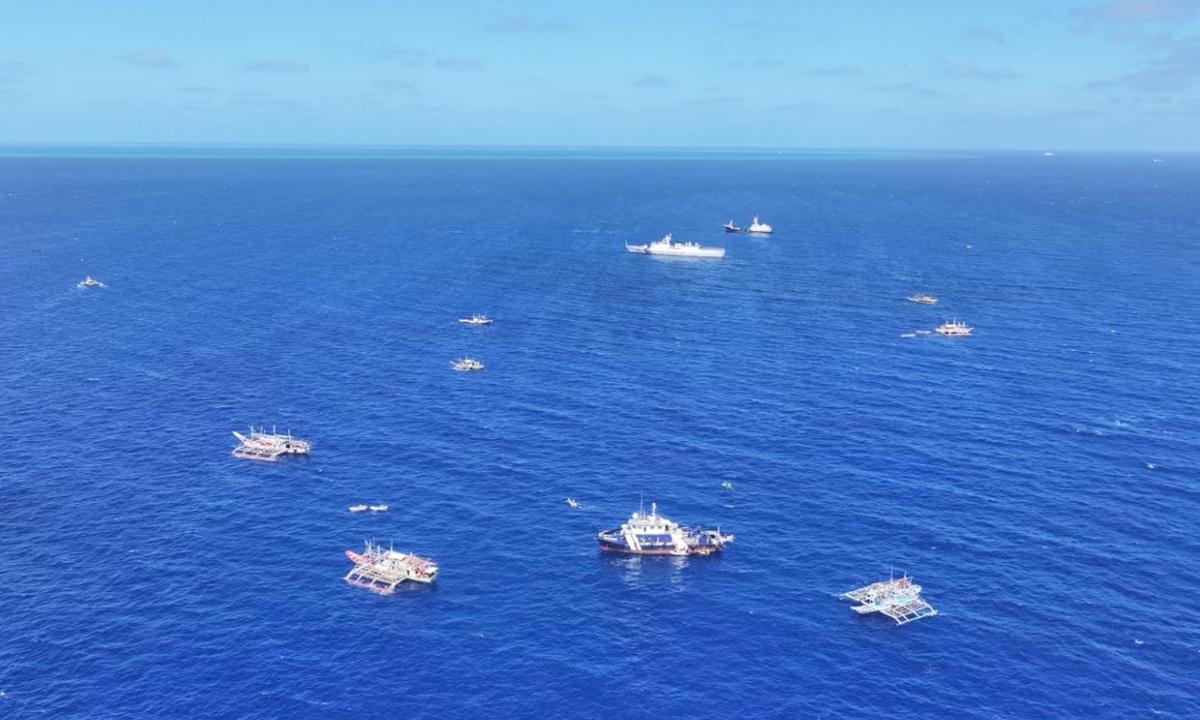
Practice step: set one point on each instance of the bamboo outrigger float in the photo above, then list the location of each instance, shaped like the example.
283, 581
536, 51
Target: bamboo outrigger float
899, 599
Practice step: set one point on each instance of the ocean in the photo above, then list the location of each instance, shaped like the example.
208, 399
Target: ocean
1040, 480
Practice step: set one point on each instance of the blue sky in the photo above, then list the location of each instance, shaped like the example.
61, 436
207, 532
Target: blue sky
1116, 75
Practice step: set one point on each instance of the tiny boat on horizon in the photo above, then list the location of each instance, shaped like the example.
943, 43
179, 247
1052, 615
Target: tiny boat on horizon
679, 249
378, 508
923, 298
574, 503
652, 534
476, 320
731, 228
88, 282
358, 508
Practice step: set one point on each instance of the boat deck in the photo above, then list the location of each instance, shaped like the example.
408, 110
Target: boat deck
904, 613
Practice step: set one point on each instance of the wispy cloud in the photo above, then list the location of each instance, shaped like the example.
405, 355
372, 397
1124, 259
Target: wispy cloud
984, 34
913, 89
839, 71
1177, 70
522, 24
396, 86
1135, 11
419, 57
457, 63
969, 71
282, 67
653, 80
150, 58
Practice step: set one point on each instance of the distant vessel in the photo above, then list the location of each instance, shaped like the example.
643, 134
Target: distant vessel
358, 508
476, 320
381, 570
954, 328
908, 335
898, 599
684, 249
466, 365
88, 282
574, 503
731, 228
923, 298
263, 445
759, 227
654, 535
727, 485
379, 508
922, 332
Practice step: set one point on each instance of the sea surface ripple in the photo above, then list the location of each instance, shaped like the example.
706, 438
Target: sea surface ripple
1041, 479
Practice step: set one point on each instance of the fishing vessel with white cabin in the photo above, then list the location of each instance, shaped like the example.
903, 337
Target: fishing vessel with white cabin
269, 446
381, 570
899, 599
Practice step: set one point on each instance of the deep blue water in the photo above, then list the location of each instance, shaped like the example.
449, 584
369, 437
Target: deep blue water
1041, 480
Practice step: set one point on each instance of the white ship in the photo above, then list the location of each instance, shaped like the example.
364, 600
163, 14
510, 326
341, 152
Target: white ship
653, 534
954, 328
88, 282
759, 227
476, 320
681, 249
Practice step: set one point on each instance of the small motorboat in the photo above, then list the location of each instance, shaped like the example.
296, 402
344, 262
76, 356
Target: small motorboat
358, 508
922, 332
88, 282
923, 298
378, 508
466, 365
730, 227
476, 320
760, 228
727, 485
574, 503
908, 334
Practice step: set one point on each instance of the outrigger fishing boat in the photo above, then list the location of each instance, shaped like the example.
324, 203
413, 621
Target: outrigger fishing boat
380, 570
269, 446
652, 534
954, 328
899, 599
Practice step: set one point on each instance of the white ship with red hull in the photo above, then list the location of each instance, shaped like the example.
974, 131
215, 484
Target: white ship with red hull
652, 534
